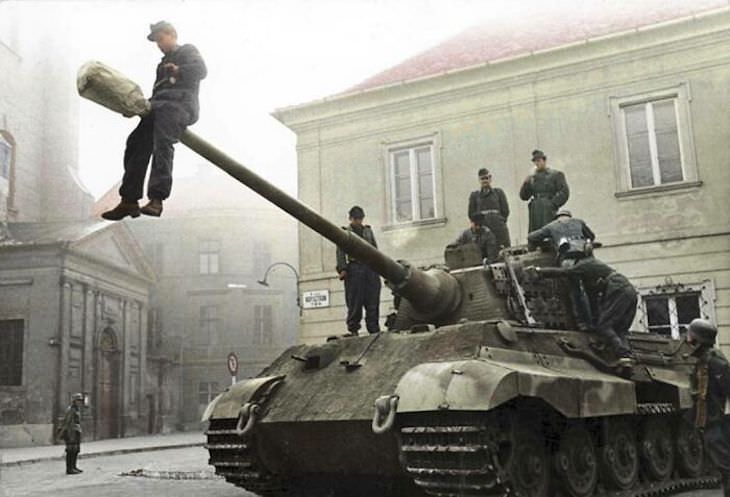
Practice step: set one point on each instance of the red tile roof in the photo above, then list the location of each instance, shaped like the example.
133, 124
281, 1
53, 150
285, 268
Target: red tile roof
513, 34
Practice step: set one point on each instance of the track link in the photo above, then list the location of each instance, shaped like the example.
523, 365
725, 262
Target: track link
463, 460
234, 458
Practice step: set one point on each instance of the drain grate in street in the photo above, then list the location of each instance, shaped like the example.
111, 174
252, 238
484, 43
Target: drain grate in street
172, 475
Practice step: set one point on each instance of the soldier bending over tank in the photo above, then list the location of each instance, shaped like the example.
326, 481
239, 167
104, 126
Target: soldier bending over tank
711, 388
613, 296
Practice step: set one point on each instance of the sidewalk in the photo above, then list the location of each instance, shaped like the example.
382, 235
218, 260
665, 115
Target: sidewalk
113, 446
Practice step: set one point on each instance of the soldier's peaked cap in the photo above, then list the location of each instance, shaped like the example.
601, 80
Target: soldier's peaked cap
704, 331
77, 396
563, 212
483, 172
538, 154
158, 27
356, 212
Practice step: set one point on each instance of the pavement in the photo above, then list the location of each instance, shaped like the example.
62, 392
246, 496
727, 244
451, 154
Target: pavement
96, 448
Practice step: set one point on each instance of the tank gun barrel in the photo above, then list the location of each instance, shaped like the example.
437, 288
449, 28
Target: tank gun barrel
432, 293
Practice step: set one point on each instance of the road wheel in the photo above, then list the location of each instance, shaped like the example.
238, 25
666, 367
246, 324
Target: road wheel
576, 462
656, 448
619, 456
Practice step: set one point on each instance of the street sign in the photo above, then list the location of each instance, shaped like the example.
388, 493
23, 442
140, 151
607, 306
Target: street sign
314, 299
232, 363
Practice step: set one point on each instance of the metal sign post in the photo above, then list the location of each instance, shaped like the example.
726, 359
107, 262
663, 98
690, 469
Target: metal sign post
232, 363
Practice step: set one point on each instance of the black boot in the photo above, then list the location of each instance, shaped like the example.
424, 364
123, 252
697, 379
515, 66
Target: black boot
70, 463
75, 458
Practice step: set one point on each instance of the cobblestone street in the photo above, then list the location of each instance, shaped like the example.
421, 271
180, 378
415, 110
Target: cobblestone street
101, 477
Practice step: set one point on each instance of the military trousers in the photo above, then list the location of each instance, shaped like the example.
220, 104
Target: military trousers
498, 226
717, 446
616, 312
362, 289
153, 137
73, 447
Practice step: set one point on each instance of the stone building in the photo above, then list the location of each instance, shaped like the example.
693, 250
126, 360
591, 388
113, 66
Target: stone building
73, 292
624, 98
213, 243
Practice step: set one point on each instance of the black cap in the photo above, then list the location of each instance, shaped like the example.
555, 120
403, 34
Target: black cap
703, 331
356, 212
538, 154
157, 27
483, 172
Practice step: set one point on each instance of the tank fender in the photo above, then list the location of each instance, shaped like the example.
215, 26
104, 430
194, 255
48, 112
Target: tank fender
229, 403
481, 385
459, 385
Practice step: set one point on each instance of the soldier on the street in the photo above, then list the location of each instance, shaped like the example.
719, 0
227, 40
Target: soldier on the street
174, 107
362, 284
711, 390
614, 298
480, 235
570, 234
547, 191
70, 433
492, 203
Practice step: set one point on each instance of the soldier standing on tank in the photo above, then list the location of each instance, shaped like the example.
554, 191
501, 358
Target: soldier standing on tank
70, 433
174, 107
614, 297
362, 284
546, 189
492, 204
572, 233
480, 235
711, 389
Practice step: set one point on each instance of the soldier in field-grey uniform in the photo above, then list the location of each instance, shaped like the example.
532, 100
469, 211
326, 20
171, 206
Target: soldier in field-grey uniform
70, 433
547, 191
362, 284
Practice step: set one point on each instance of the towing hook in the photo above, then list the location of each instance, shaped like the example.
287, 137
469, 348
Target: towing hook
247, 416
384, 416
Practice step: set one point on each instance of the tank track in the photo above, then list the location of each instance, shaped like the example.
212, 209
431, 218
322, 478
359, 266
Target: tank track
235, 459
463, 459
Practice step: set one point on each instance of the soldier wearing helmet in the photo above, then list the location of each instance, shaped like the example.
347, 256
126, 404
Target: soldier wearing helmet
70, 433
482, 236
362, 284
711, 389
571, 238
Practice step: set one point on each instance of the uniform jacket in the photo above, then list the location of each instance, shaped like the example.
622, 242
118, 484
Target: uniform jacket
184, 87
490, 200
718, 384
546, 190
600, 279
485, 240
367, 234
572, 229
70, 429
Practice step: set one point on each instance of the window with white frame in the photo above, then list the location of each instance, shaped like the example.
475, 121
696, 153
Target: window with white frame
208, 324
6, 156
262, 325
209, 256
669, 308
412, 183
654, 139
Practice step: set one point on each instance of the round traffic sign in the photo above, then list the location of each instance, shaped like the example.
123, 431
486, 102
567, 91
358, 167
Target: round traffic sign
232, 363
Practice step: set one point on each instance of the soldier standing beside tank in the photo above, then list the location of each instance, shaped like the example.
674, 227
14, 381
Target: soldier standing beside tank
70, 432
362, 284
481, 236
711, 388
492, 204
174, 107
571, 234
546, 189
614, 297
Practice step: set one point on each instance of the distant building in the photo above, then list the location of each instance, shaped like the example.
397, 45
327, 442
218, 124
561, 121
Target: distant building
626, 98
73, 293
214, 241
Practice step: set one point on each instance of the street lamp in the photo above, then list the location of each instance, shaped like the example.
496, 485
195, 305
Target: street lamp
264, 281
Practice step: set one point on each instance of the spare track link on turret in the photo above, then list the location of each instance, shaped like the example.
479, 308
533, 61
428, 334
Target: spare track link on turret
234, 458
463, 459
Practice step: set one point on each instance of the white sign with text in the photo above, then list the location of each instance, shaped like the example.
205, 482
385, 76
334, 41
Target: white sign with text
315, 299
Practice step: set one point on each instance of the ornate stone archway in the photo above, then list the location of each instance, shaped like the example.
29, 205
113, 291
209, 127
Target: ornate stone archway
108, 385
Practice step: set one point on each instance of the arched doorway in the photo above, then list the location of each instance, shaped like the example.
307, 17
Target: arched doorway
108, 413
